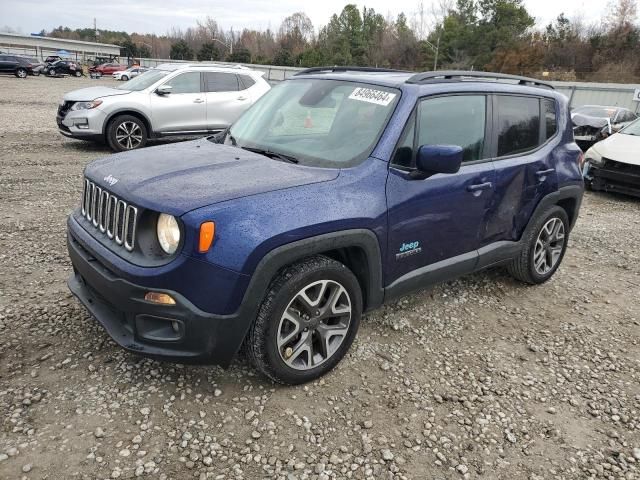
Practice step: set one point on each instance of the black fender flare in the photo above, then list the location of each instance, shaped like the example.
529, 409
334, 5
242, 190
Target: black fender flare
572, 192
235, 327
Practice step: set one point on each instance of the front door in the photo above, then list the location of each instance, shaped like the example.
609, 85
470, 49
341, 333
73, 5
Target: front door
182, 110
440, 221
226, 99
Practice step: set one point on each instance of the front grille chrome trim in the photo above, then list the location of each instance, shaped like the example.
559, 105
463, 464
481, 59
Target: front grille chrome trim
110, 215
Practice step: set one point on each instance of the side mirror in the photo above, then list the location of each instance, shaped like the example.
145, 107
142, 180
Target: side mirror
432, 159
164, 89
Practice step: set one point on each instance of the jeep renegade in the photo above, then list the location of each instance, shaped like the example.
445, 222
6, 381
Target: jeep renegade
338, 191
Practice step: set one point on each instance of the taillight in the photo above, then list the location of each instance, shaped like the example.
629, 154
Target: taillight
581, 159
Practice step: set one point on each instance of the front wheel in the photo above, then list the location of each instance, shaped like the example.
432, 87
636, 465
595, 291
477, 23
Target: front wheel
78, 73
306, 322
124, 78
126, 132
21, 73
544, 247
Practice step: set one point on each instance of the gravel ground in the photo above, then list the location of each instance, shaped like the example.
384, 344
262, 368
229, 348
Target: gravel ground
477, 378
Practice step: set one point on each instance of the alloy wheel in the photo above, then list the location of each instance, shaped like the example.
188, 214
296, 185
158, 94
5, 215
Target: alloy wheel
129, 135
314, 324
22, 73
549, 246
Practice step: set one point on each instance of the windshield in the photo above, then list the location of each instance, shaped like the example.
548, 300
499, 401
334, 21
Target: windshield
603, 112
143, 80
325, 123
632, 129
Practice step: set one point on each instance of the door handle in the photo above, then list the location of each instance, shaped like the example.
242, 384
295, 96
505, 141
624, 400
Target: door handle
542, 174
198, 100
242, 98
479, 187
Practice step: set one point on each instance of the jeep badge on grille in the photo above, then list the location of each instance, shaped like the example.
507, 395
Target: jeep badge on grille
111, 180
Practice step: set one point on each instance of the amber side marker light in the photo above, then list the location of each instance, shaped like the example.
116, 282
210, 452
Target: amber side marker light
207, 234
157, 297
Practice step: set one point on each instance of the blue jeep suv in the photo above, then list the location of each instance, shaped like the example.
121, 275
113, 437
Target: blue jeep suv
340, 190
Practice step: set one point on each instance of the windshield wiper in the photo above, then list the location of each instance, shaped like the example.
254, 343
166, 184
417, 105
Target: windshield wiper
270, 154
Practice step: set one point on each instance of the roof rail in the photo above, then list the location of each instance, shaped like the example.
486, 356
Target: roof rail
462, 75
336, 68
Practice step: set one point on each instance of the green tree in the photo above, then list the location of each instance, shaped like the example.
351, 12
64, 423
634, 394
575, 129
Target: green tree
283, 57
240, 55
181, 50
208, 52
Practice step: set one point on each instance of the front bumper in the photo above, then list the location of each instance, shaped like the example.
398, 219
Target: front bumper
82, 124
181, 332
613, 177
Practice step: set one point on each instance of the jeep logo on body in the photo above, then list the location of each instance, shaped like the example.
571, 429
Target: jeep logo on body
111, 180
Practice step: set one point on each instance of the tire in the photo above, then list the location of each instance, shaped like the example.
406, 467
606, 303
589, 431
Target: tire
542, 255
36, 73
124, 78
21, 73
78, 73
336, 289
119, 127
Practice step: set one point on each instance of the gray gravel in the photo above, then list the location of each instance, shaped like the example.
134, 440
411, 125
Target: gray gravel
477, 378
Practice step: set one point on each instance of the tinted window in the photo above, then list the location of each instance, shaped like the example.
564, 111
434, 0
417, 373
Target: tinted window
185, 83
551, 123
220, 82
458, 120
518, 121
246, 81
404, 151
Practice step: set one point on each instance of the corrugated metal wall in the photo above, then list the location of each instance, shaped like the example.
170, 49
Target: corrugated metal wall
613, 94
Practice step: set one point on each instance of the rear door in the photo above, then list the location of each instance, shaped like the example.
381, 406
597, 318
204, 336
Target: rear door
226, 97
182, 110
525, 132
5, 64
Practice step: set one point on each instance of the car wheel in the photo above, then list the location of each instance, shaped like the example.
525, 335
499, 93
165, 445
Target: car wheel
126, 132
124, 78
36, 73
307, 321
21, 73
544, 247
78, 73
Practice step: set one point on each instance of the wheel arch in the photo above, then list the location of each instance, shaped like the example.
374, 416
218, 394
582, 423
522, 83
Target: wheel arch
125, 111
568, 197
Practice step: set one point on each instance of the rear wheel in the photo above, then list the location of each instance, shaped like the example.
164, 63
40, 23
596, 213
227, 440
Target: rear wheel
544, 248
126, 132
124, 78
306, 322
21, 73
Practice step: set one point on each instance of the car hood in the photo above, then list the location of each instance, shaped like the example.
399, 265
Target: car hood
581, 120
621, 148
91, 93
180, 177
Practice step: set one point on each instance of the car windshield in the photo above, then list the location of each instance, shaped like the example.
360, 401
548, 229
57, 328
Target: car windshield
143, 80
316, 122
632, 129
603, 112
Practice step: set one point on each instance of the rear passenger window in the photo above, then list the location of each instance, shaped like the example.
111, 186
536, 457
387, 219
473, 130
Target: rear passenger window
457, 120
220, 82
246, 82
550, 121
518, 121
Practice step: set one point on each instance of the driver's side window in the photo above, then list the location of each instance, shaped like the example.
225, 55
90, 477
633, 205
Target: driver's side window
188, 82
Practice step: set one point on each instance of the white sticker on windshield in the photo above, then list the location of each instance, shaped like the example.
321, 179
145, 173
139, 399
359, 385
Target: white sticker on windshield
379, 97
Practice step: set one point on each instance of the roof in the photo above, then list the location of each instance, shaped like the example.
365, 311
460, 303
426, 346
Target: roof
176, 66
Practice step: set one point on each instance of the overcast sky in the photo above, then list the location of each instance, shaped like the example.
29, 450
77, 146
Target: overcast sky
157, 16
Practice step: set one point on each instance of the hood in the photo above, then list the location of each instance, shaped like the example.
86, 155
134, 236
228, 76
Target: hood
621, 148
180, 177
91, 93
581, 120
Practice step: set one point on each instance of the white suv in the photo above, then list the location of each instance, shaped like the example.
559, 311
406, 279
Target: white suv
171, 99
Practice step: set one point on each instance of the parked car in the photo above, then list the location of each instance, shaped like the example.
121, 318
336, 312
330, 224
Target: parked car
52, 58
36, 65
15, 65
108, 68
592, 123
129, 73
64, 67
172, 99
338, 191
613, 165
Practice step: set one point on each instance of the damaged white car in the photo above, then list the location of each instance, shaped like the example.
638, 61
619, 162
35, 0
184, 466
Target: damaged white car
613, 165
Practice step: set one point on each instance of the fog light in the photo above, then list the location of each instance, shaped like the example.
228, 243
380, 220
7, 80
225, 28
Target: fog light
175, 326
161, 298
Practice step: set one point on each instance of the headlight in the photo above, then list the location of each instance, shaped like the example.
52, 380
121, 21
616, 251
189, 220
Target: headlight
86, 105
593, 157
168, 233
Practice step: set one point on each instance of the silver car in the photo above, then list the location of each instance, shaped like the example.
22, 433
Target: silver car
171, 99
129, 73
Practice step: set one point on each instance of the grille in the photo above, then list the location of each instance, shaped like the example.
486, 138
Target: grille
109, 215
64, 108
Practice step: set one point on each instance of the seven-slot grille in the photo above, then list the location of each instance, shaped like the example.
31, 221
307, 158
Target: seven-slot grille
109, 214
